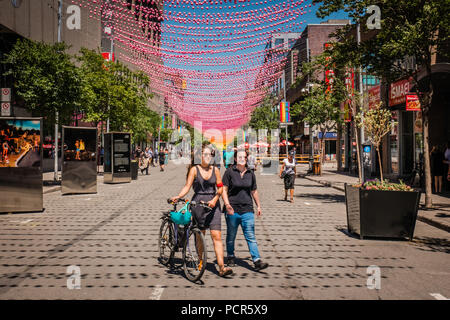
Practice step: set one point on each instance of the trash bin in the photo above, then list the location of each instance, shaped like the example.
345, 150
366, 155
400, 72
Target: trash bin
134, 169
317, 168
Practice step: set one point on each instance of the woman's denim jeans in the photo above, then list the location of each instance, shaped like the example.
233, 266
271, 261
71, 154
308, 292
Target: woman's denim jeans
247, 222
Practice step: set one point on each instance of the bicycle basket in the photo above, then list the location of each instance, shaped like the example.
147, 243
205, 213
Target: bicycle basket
181, 218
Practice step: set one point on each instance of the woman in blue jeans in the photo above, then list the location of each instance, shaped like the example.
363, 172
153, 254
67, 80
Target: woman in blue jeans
240, 190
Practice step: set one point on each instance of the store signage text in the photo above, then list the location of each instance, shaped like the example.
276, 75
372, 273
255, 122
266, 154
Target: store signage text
397, 94
374, 96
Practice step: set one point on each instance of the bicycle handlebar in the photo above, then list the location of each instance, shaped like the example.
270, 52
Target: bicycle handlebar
201, 204
193, 203
169, 201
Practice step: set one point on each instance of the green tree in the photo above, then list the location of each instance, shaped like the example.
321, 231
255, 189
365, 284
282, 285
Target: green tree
112, 91
323, 94
409, 28
377, 123
319, 109
264, 116
46, 78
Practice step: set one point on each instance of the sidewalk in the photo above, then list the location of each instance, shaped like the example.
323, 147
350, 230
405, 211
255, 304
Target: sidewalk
438, 217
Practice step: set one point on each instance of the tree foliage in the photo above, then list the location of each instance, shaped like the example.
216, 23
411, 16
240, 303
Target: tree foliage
111, 90
377, 123
265, 116
409, 28
48, 81
45, 78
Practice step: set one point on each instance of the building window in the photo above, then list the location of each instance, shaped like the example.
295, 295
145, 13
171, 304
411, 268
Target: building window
394, 144
279, 43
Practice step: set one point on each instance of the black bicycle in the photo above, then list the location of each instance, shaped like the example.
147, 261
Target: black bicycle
188, 237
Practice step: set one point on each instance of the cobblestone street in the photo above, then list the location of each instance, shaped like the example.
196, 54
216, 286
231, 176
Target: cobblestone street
112, 237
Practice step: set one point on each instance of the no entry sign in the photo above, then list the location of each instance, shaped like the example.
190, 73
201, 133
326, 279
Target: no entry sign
6, 95
6, 109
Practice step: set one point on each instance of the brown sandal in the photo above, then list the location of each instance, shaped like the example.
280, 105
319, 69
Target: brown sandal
225, 272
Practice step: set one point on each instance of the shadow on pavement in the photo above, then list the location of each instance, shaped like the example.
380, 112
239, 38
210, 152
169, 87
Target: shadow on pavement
329, 198
357, 237
347, 233
310, 185
433, 244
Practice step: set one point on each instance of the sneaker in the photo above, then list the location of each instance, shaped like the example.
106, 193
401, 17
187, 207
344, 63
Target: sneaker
259, 265
231, 261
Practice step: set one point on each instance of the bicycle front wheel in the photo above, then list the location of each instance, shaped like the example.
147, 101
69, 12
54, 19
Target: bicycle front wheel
194, 255
166, 241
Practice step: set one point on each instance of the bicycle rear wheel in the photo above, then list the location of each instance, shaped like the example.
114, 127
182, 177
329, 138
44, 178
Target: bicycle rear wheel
194, 255
166, 241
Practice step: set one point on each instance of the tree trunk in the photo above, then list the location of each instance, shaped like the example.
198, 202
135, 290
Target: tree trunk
379, 162
322, 148
426, 143
426, 158
358, 153
338, 148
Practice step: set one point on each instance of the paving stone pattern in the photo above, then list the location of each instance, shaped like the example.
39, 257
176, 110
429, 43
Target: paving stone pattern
112, 237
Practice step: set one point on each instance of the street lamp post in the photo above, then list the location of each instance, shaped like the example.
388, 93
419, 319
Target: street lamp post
358, 39
55, 175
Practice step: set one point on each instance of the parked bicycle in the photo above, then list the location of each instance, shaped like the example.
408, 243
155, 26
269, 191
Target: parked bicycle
179, 230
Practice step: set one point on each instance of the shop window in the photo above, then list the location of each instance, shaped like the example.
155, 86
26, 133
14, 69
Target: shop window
394, 144
407, 143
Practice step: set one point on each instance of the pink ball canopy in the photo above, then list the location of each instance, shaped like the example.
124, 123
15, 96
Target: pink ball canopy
208, 59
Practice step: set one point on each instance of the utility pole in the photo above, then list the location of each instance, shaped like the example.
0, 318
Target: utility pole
358, 39
55, 176
284, 93
111, 52
311, 138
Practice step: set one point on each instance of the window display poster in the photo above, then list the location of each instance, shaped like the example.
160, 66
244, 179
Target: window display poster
80, 144
121, 152
20, 143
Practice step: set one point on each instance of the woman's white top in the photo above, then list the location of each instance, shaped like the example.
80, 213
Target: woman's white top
289, 166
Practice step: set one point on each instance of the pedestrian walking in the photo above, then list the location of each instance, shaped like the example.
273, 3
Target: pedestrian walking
152, 155
437, 168
144, 162
166, 156
156, 156
207, 184
162, 159
239, 192
137, 152
447, 160
288, 172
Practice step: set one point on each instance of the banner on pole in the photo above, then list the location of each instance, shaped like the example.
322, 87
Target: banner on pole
285, 114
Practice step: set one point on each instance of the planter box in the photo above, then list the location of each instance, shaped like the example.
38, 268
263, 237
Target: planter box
383, 214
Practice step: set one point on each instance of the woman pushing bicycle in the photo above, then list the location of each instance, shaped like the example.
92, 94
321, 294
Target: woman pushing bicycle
208, 187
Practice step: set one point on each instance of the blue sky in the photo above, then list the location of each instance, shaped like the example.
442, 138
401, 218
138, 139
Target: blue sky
308, 18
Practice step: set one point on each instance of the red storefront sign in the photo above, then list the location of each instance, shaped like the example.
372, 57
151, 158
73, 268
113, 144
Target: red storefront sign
398, 92
107, 56
374, 96
412, 102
